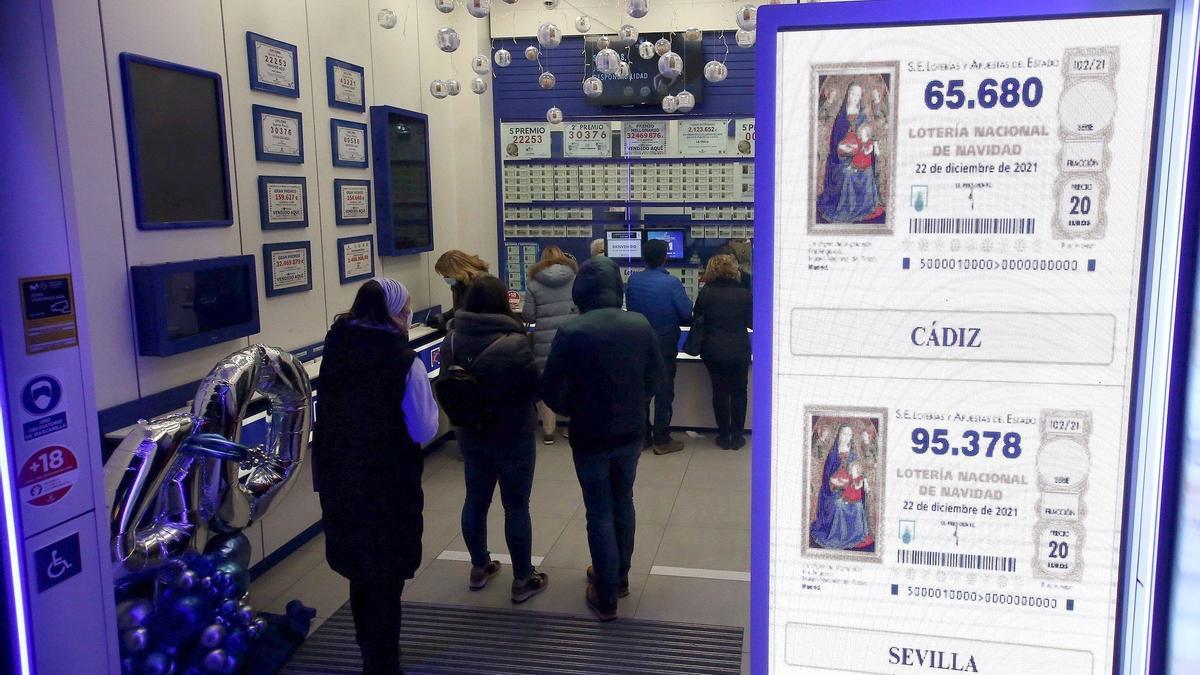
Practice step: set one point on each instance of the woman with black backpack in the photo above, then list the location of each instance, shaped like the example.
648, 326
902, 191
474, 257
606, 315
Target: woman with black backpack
488, 386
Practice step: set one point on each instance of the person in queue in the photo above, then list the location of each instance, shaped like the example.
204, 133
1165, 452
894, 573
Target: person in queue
659, 296
597, 247
487, 340
458, 269
740, 250
723, 313
376, 412
602, 370
548, 306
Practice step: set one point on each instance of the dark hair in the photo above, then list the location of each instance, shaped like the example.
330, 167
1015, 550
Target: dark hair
370, 306
487, 295
654, 252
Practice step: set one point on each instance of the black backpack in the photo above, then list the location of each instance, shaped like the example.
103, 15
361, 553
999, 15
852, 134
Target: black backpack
462, 397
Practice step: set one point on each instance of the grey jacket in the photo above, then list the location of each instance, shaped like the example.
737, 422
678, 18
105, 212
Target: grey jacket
548, 304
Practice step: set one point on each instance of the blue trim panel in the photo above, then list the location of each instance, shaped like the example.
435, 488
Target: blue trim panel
383, 181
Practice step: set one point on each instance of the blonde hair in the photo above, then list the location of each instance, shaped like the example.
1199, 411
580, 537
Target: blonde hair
722, 267
460, 266
551, 256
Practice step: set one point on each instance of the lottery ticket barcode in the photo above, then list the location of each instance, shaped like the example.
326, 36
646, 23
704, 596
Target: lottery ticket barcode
993, 563
971, 225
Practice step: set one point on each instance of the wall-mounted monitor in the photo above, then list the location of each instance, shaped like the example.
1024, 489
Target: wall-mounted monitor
179, 164
403, 206
623, 244
645, 85
676, 238
182, 306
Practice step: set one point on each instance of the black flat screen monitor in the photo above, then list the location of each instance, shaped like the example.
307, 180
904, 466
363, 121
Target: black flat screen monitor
676, 239
646, 86
175, 121
623, 244
400, 144
187, 305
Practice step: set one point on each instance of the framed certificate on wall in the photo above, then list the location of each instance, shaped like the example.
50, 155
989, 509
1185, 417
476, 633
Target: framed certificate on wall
278, 135
346, 85
349, 141
352, 201
272, 65
356, 258
287, 267
282, 202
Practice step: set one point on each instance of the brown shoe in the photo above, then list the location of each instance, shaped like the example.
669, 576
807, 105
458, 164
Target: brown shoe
480, 576
667, 448
524, 589
602, 611
622, 588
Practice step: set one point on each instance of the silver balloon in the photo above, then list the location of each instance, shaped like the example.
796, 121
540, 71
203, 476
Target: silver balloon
135, 640
646, 49
547, 80
715, 71
628, 33
439, 89
747, 17
133, 613
532, 53
593, 87
668, 104
479, 8
453, 87
685, 101
662, 46
503, 58
692, 34
583, 24
481, 65
444, 6
745, 38
554, 116
603, 42
479, 85
638, 8
670, 64
386, 18
623, 71
448, 39
549, 35
607, 61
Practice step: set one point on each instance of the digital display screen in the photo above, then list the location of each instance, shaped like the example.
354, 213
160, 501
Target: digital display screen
179, 144
958, 214
676, 241
626, 244
645, 84
207, 300
412, 223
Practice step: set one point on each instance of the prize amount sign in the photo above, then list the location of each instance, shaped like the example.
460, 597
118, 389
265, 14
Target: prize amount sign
587, 139
525, 141
959, 213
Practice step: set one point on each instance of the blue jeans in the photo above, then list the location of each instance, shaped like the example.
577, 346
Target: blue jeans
606, 477
483, 468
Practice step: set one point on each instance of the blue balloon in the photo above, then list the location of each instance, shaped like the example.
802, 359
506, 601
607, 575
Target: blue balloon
157, 663
179, 618
231, 579
212, 636
231, 546
237, 642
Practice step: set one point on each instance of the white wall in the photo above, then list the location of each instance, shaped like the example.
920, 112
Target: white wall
399, 64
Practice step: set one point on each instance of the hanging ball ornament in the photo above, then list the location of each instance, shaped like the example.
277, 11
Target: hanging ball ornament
593, 87
747, 17
685, 101
479, 85
670, 64
669, 104
623, 71
692, 34
662, 46
453, 87
548, 4
715, 71
386, 18
547, 80
448, 40
638, 8
532, 53
554, 116
583, 24
439, 89
607, 61
503, 58
479, 8
480, 64
603, 42
511, 2
444, 6
646, 49
745, 38
628, 34
549, 35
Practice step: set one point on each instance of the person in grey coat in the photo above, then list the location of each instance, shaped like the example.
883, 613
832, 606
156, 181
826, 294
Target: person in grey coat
548, 304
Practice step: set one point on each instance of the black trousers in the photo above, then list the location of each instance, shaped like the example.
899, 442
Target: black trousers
376, 609
658, 430
729, 395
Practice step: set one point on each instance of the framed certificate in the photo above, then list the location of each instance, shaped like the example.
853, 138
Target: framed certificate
282, 202
349, 143
345, 85
278, 135
352, 201
287, 267
272, 65
356, 258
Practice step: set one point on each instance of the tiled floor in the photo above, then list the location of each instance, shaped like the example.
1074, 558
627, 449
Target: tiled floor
691, 559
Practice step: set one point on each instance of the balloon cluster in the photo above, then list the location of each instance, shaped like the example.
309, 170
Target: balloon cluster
197, 621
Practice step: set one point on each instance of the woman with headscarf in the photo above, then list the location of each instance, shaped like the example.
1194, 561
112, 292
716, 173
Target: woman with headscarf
376, 410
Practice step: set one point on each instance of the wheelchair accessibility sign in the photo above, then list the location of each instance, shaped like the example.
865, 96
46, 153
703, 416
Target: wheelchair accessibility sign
57, 562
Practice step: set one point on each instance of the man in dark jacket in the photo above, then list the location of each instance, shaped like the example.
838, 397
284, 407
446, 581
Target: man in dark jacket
603, 368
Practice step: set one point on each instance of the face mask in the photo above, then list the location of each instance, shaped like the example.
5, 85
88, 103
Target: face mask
448, 280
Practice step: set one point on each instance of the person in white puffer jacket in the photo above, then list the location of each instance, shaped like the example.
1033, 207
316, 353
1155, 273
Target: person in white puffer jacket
548, 305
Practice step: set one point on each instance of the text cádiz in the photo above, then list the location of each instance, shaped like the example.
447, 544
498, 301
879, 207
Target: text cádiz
994, 149
990, 478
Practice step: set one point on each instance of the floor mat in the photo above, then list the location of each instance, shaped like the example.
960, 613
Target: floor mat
446, 639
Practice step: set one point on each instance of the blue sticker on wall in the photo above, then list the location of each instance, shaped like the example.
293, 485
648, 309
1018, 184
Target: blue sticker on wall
57, 562
44, 426
41, 395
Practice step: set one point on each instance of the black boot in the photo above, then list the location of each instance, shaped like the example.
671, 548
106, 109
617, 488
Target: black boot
380, 659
